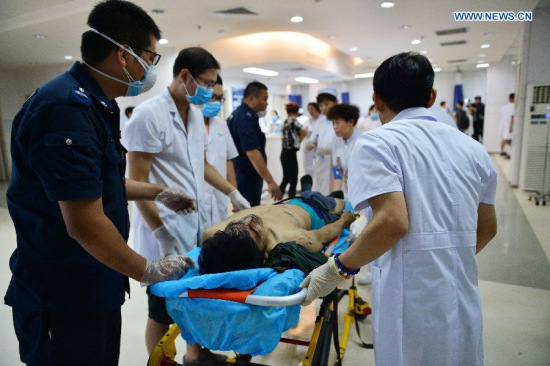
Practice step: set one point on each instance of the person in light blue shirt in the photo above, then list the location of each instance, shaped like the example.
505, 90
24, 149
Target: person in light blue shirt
430, 192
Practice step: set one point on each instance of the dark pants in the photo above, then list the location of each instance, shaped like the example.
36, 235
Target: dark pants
250, 186
478, 130
64, 338
290, 171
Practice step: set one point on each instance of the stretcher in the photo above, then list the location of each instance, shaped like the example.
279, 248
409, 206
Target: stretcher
318, 347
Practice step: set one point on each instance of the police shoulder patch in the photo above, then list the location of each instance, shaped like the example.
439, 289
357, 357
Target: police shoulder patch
80, 95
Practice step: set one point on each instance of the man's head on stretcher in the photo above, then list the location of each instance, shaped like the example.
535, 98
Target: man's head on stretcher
245, 239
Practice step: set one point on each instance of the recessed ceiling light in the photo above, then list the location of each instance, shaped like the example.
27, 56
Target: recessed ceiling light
485, 45
353, 49
416, 41
68, 57
258, 71
39, 36
363, 76
387, 4
296, 19
423, 52
163, 41
437, 69
482, 55
405, 27
479, 66
303, 79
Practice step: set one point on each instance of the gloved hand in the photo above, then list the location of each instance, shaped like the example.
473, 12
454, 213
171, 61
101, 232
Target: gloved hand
321, 281
238, 200
323, 152
167, 243
176, 200
310, 145
166, 269
356, 228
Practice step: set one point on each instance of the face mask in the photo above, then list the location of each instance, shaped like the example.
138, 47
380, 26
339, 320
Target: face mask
211, 109
202, 94
374, 116
274, 118
261, 114
134, 87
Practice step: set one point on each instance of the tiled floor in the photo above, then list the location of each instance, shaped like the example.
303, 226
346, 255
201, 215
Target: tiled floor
514, 272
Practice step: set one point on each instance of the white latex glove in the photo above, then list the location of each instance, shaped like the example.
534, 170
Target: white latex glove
166, 269
176, 200
310, 145
356, 228
323, 152
238, 200
321, 281
167, 243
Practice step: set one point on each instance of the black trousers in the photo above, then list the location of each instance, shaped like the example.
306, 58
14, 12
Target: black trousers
290, 171
57, 338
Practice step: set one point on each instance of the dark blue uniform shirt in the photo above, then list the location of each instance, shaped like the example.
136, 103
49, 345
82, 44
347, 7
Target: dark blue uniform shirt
247, 135
65, 145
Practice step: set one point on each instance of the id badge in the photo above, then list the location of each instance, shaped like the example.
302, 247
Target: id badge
336, 172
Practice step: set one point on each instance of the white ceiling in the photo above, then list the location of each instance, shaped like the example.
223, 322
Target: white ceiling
351, 23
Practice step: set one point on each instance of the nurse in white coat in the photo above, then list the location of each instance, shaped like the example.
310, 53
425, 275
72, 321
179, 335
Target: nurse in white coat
221, 149
430, 191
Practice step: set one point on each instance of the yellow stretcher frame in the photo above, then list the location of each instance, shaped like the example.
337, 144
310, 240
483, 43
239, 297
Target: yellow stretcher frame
318, 351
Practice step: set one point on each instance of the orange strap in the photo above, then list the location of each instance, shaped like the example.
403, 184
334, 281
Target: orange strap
221, 294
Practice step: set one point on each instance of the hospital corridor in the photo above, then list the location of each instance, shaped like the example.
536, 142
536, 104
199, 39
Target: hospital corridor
514, 273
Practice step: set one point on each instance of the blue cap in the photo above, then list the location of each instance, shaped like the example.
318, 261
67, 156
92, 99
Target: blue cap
330, 91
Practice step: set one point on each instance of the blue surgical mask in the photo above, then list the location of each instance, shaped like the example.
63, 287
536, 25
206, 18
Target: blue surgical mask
274, 118
135, 87
202, 94
374, 116
211, 109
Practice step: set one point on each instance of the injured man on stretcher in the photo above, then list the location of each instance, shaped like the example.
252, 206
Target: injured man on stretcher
249, 238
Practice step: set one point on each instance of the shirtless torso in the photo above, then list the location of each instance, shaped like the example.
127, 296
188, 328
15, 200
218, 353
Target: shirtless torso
286, 222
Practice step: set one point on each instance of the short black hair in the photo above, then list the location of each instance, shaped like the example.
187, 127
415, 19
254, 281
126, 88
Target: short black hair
219, 80
225, 252
326, 96
461, 103
254, 88
128, 110
477, 97
512, 95
442, 103
314, 105
371, 107
122, 21
195, 59
347, 112
404, 81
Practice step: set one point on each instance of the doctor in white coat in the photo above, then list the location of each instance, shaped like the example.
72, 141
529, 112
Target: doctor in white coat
430, 192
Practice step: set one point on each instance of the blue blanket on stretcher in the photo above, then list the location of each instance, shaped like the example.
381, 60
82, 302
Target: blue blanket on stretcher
226, 325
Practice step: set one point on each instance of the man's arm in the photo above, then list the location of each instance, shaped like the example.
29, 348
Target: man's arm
87, 224
215, 179
258, 162
511, 124
486, 225
313, 240
390, 222
336, 184
231, 176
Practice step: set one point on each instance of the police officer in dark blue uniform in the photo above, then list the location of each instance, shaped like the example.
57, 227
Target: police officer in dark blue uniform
251, 164
68, 198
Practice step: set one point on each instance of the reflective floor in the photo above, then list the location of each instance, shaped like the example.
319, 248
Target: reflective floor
514, 272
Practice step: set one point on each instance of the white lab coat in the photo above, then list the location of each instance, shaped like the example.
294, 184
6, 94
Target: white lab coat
323, 136
341, 152
425, 297
308, 155
157, 128
506, 113
220, 149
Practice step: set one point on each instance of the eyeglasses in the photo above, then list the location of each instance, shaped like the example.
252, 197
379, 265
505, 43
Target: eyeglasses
156, 56
207, 83
217, 98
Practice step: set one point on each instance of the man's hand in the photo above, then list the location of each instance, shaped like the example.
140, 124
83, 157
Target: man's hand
310, 145
166, 269
238, 201
167, 243
275, 191
356, 228
176, 200
347, 218
321, 281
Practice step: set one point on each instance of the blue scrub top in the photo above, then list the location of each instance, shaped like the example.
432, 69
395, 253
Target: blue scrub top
65, 145
247, 135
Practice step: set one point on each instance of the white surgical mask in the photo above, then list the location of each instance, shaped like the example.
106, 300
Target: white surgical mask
135, 87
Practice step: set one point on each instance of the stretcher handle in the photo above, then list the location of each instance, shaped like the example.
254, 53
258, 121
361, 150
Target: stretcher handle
272, 301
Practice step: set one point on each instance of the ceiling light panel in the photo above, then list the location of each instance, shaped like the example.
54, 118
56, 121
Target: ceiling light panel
303, 79
259, 71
